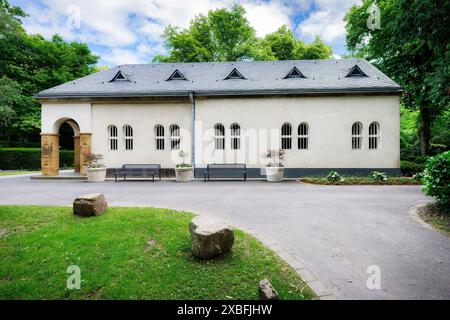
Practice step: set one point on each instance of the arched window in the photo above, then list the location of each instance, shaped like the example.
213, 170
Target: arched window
286, 136
303, 136
219, 136
357, 135
235, 136
112, 137
374, 135
175, 138
159, 134
128, 133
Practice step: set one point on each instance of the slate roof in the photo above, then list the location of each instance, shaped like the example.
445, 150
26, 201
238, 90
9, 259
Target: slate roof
208, 79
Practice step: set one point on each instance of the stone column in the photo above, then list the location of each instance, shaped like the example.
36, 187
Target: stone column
85, 149
76, 149
50, 154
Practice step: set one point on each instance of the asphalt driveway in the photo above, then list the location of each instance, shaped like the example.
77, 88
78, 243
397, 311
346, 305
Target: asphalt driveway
337, 232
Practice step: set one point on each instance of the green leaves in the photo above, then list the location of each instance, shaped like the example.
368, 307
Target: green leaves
437, 179
226, 35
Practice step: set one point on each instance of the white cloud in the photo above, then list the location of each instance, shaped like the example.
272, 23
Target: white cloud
326, 21
123, 56
266, 17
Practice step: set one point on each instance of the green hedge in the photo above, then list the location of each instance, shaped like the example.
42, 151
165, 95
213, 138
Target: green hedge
437, 179
30, 158
410, 168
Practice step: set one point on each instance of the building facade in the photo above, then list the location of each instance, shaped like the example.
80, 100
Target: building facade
325, 114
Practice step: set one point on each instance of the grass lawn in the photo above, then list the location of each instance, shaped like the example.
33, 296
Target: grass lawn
10, 173
128, 253
433, 215
362, 181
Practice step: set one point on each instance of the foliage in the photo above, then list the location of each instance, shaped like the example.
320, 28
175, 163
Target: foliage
410, 168
10, 97
357, 180
129, 253
94, 161
275, 157
437, 179
283, 45
30, 158
183, 154
226, 35
334, 176
409, 144
379, 176
29, 64
412, 47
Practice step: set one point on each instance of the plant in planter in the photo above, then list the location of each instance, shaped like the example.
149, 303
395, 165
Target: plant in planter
96, 170
275, 169
183, 170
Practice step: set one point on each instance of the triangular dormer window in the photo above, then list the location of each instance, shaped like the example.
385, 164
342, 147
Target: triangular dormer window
294, 74
235, 74
176, 75
119, 77
356, 72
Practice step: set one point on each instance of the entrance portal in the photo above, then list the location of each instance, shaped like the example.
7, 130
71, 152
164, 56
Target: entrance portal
51, 143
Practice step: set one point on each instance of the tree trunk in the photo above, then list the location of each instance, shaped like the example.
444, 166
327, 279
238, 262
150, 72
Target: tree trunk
424, 131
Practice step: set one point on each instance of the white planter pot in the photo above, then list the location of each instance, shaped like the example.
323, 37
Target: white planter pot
184, 174
96, 174
274, 174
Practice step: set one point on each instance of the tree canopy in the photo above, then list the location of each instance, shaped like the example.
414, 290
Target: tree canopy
29, 64
226, 35
412, 47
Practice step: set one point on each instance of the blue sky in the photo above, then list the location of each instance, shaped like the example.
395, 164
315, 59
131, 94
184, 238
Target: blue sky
128, 31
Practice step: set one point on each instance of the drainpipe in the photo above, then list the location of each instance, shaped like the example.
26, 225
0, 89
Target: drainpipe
192, 99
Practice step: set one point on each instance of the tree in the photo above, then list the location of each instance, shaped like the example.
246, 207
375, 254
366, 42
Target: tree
222, 35
226, 35
10, 96
29, 64
412, 47
285, 46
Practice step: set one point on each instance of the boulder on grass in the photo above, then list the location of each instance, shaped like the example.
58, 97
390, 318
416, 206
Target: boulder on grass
210, 237
90, 205
267, 291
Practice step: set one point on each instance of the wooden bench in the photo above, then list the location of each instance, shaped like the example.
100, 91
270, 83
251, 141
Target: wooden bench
235, 170
144, 170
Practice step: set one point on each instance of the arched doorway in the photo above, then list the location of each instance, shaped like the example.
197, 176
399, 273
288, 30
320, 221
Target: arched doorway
51, 143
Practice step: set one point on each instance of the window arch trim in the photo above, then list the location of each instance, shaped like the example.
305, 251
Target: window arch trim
128, 137
159, 137
235, 130
219, 136
175, 137
113, 136
357, 135
374, 136
286, 136
303, 136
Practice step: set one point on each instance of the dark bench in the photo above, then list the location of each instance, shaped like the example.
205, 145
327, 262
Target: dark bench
144, 170
225, 171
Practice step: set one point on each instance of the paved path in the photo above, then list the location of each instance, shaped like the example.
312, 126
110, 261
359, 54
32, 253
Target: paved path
335, 231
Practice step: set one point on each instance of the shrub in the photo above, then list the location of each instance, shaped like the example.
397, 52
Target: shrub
410, 168
437, 179
30, 159
379, 176
333, 176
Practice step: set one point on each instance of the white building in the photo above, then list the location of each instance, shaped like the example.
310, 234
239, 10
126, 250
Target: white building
326, 114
